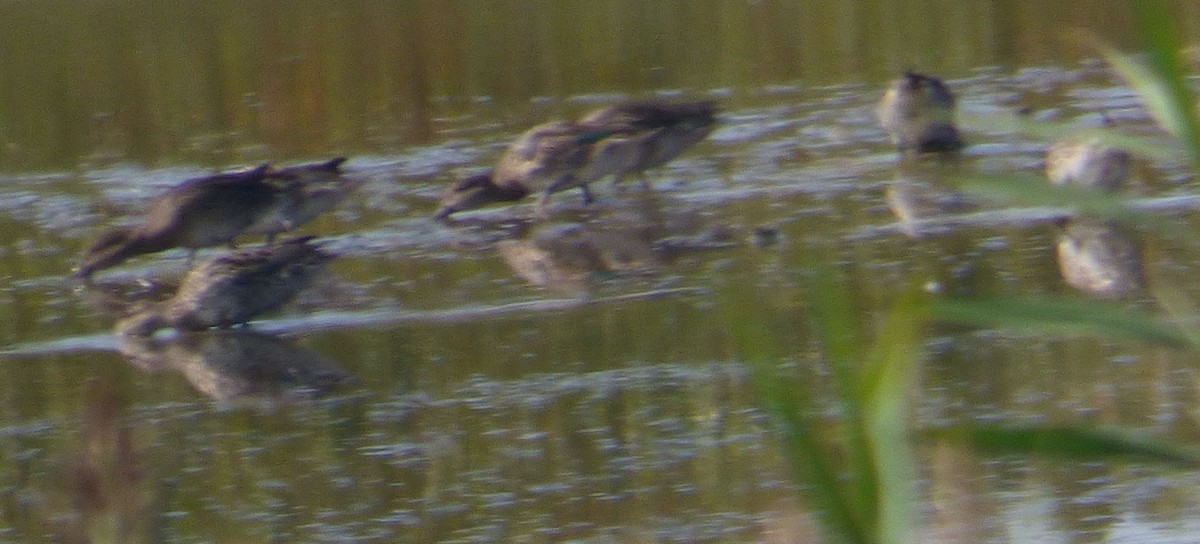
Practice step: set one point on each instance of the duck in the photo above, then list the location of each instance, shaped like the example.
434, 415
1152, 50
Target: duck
917, 111
233, 288
658, 132
626, 138
198, 213
546, 159
316, 188
1087, 163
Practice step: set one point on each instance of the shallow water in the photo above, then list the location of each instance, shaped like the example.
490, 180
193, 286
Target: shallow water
473, 406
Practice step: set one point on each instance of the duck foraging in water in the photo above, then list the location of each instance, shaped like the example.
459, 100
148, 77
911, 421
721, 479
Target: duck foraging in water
917, 111
234, 288
477, 191
198, 213
316, 187
626, 138
658, 132
544, 159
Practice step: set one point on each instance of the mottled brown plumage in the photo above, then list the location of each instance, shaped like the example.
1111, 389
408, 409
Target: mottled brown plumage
1087, 163
198, 213
627, 138
656, 132
544, 159
317, 188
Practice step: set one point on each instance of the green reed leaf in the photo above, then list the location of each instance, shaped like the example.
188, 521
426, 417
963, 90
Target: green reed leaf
889, 381
1031, 190
807, 439
1160, 80
1068, 441
1160, 30
841, 339
1152, 147
1074, 316
812, 461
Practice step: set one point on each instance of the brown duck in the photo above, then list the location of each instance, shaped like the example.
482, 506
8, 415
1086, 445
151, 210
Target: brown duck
315, 188
626, 138
917, 111
1088, 164
545, 159
658, 131
198, 213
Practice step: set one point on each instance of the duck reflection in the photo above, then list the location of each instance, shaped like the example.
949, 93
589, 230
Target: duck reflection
233, 364
1099, 258
916, 204
233, 288
637, 240
564, 256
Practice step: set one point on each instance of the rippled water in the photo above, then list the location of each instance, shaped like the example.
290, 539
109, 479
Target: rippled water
482, 407
466, 402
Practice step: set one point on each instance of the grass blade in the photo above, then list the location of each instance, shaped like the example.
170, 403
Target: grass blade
1061, 316
1159, 148
1160, 82
1028, 190
890, 381
1159, 28
841, 339
1093, 444
804, 437
813, 464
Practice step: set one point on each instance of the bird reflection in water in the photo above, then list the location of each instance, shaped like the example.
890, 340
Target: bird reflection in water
225, 291
564, 256
638, 240
918, 203
237, 364
1098, 257
231, 289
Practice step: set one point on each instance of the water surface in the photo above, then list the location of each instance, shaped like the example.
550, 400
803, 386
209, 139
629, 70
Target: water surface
481, 407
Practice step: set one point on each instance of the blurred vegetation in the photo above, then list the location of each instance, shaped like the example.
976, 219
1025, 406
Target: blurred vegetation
859, 469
